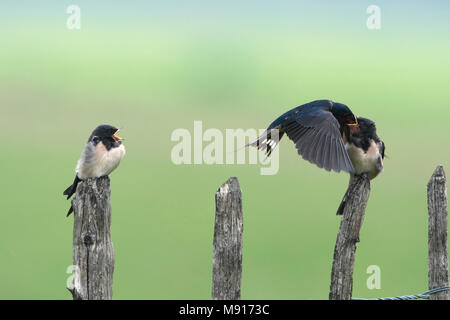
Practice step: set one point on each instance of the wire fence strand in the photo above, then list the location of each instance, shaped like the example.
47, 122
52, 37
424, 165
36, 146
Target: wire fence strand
425, 295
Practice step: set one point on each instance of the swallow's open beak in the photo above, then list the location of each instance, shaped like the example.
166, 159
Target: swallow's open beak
354, 124
117, 138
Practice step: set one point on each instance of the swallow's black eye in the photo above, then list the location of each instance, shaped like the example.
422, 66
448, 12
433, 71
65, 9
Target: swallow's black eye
95, 139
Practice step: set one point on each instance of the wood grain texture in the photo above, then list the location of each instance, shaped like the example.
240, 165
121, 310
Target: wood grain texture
344, 252
93, 252
227, 256
437, 234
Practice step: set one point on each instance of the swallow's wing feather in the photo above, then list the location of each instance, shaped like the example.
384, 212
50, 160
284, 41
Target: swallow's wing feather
315, 132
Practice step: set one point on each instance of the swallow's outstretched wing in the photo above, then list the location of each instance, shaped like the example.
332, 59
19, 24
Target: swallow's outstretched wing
316, 135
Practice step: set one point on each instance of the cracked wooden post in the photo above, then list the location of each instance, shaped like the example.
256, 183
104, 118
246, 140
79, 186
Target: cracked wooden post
437, 234
344, 252
93, 252
227, 258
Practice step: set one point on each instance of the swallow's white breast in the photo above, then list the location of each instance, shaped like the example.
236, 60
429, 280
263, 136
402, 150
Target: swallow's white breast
97, 161
369, 162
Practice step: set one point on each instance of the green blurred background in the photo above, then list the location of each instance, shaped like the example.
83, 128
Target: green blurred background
153, 67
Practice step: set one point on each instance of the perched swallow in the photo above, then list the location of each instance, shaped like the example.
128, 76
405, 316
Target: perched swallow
329, 135
101, 155
366, 150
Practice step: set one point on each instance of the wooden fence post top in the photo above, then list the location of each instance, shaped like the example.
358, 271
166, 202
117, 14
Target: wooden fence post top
227, 252
344, 252
438, 176
232, 184
96, 183
93, 252
229, 186
438, 234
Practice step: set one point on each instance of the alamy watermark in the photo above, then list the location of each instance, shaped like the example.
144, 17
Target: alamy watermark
212, 146
74, 20
374, 19
374, 280
74, 272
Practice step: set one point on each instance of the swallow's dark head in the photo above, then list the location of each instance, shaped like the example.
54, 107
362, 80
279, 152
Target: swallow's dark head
344, 115
104, 133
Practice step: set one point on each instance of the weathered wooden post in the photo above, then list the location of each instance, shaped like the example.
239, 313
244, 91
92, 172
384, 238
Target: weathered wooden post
344, 252
227, 257
437, 234
93, 252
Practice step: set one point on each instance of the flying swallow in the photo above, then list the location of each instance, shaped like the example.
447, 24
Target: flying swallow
101, 155
329, 135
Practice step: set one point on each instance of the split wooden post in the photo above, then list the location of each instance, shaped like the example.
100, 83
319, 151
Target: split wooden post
93, 252
227, 256
344, 252
437, 234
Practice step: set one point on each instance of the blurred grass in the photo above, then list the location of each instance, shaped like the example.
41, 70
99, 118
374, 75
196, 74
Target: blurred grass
56, 86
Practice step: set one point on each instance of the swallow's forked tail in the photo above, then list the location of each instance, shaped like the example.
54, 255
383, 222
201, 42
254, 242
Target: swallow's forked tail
70, 191
72, 188
267, 141
340, 210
